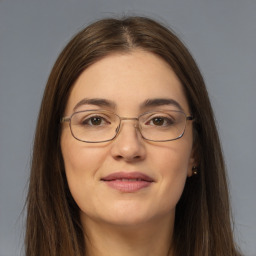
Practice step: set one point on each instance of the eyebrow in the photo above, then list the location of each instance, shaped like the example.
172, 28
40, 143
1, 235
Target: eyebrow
95, 101
110, 104
160, 102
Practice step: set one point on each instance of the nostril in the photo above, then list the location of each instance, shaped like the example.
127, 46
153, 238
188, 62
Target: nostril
118, 157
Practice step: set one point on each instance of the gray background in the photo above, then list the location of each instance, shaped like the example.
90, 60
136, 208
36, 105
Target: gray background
221, 35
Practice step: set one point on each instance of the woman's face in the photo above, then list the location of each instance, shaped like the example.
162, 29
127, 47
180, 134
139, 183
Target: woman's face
129, 180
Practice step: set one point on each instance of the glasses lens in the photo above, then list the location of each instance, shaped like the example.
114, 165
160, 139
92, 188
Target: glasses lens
99, 125
162, 126
94, 126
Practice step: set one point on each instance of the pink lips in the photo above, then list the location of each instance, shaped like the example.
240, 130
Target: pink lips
128, 182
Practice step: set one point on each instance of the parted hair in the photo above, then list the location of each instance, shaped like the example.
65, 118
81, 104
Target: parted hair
203, 223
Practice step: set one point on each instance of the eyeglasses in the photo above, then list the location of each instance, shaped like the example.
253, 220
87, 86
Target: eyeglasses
94, 126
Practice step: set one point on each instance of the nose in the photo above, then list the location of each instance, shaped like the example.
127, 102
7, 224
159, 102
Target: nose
129, 144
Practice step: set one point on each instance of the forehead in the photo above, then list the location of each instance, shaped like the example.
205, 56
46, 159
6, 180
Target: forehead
128, 79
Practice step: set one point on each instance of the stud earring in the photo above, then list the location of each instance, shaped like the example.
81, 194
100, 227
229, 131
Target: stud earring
195, 170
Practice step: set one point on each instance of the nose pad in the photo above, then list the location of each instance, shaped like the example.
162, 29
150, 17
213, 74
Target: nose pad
136, 125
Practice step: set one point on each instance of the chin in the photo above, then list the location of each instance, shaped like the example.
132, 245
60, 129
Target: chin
130, 219
132, 216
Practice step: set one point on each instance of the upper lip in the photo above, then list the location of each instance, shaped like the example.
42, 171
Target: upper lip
127, 175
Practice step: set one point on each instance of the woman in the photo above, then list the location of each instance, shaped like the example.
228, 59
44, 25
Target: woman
127, 159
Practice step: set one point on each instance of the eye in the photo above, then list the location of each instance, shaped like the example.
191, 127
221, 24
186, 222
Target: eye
160, 121
95, 121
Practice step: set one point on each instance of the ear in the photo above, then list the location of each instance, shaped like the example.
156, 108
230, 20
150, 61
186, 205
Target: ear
193, 161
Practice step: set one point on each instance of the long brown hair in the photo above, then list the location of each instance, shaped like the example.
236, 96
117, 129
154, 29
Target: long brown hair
203, 225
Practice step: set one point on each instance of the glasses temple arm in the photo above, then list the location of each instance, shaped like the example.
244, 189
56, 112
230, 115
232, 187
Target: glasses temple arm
189, 117
64, 119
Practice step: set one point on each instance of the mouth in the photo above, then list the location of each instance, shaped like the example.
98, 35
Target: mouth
128, 182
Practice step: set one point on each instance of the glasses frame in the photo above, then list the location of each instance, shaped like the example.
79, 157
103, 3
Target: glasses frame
67, 119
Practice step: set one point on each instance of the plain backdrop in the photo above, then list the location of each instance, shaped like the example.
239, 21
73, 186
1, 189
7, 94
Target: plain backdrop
221, 34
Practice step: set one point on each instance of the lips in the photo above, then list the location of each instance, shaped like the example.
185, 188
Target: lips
128, 182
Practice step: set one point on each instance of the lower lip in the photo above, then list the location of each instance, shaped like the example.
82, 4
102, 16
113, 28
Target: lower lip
127, 185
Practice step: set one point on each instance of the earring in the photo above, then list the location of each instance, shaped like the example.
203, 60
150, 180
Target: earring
195, 170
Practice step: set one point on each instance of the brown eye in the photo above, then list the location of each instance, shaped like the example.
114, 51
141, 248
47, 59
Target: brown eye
95, 121
158, 121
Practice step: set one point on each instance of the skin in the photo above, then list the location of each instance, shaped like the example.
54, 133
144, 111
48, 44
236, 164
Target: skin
118, 223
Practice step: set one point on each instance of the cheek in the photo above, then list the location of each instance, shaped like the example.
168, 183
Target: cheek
81, 164
174, 158
80, 161
80, 158
173, 165
173, 171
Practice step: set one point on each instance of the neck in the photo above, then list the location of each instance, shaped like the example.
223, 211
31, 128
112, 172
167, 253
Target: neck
147, 239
